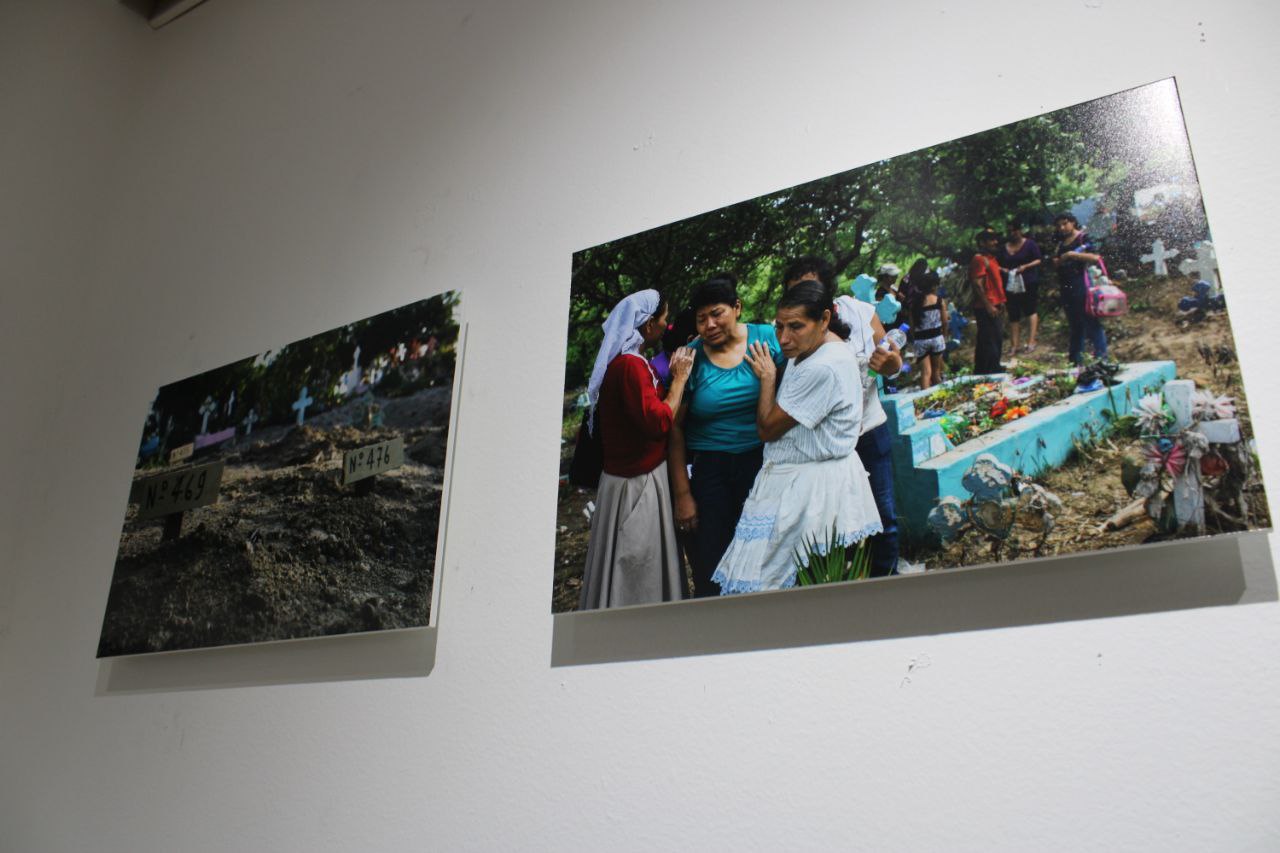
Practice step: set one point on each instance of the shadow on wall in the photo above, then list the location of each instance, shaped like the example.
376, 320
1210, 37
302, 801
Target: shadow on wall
406, 653
1150, 579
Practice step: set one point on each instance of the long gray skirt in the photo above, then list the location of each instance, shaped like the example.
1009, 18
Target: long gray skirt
632, 557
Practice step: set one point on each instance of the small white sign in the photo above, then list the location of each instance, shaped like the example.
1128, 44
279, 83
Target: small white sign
177, 491
373, 459
178, 454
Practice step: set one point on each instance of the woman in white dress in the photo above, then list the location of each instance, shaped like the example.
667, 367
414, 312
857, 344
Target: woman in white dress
812, 482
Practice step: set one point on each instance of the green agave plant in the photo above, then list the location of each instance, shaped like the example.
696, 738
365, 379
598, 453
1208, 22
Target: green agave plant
826, 562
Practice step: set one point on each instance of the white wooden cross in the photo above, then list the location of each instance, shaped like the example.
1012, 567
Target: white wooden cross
349, 383
1159, 254
300, 405
401, 352
249, 420
207, 408
1204, 265
231, 404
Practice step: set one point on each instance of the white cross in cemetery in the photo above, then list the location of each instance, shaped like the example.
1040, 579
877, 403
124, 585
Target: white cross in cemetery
207, 408
231, 404
1204, 265
1159, 254
249, 420
349, 383
300, 405
401, 352
1188, 497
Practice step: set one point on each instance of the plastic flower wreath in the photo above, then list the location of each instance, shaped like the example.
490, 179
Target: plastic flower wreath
1207, 406
1152, 415
1167, 455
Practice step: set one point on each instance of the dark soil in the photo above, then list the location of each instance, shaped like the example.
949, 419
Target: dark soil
287, 552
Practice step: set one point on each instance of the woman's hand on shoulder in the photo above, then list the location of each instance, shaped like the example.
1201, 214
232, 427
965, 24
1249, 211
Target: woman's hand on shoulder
681, 363
761, 361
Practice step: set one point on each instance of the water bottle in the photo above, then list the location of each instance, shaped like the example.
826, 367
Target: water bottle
899, 337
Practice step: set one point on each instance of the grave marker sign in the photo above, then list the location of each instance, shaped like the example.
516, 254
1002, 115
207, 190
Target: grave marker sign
365, 462
178, 454
172, 494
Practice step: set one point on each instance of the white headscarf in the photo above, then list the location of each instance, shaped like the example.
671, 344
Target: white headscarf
621, 335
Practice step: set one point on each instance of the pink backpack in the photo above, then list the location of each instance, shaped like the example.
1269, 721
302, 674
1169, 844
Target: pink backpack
1101, 297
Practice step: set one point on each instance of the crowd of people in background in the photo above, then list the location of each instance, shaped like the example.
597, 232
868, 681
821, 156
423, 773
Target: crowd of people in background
740, 449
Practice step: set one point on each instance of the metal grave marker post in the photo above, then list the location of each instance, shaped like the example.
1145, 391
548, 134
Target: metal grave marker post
364, 462
170, 495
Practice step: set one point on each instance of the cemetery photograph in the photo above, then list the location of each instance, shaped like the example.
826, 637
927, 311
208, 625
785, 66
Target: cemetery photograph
295, 493
1007, 346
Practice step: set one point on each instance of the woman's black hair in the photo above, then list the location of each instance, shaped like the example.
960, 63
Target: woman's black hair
928, 283
919, 268
1067, 217
812, 298
714, 291
679, 331
804, 265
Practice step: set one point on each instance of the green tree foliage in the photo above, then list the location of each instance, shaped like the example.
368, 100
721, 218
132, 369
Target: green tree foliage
924, 204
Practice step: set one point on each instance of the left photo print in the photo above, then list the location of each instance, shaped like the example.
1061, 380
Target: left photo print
294, 493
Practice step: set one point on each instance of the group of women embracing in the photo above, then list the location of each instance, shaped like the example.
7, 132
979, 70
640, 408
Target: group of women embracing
749, 455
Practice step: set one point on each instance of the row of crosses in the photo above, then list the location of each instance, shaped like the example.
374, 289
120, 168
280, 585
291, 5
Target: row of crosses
209, 408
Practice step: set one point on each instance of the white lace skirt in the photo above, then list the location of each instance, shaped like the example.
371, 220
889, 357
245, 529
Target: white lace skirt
792, 506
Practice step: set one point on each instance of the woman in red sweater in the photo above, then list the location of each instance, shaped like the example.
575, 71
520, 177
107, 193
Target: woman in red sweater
632, 557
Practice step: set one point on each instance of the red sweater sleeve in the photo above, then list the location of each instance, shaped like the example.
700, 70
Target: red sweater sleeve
640, 401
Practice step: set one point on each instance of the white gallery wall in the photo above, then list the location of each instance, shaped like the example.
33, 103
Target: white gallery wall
258, 172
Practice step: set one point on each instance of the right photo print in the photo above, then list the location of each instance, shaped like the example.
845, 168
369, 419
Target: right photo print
1010, 346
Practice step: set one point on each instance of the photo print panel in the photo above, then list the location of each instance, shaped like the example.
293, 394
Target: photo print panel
1009, 346
295, 493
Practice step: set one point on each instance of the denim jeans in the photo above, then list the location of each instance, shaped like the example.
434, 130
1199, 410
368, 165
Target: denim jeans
720, 485
1081, 327
874, 450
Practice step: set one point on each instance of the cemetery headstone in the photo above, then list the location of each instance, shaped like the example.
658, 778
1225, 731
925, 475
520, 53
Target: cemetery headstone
210, 439
1177, 395
1159, 254
349, 382
207, 409
300, 405
1204, 265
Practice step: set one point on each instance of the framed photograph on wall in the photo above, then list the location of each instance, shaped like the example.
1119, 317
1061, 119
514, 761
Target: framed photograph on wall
1003, 347
294, 493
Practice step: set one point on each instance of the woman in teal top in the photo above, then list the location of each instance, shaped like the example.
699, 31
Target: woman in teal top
715, 429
